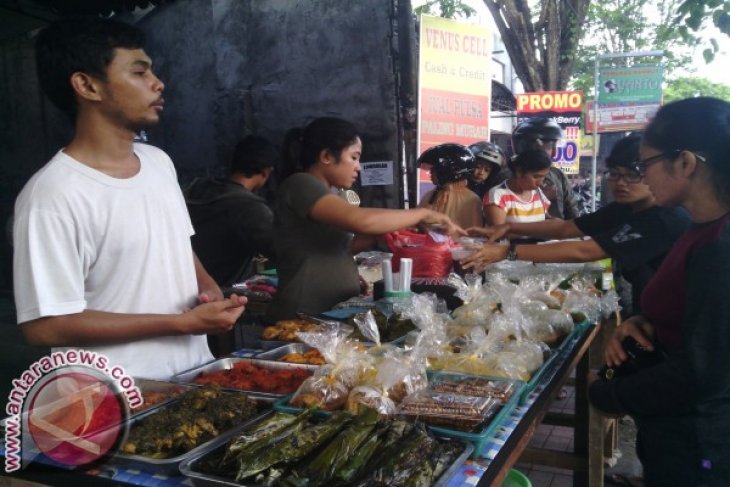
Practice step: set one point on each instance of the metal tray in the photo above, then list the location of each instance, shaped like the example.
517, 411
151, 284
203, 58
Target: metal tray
199, 479
171, 465
275, 354
171, 389
189, 376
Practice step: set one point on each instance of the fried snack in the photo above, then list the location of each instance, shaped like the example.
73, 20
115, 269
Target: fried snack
286, 330
311, 357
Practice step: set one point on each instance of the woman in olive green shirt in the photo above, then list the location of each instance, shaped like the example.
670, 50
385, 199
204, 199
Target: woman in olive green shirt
314, 227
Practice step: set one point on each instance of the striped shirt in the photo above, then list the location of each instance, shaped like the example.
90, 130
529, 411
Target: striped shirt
518, 210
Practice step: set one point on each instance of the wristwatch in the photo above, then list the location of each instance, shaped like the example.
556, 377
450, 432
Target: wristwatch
512, 252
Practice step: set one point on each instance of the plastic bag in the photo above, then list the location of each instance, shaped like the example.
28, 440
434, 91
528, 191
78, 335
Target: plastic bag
330, 385
430, 259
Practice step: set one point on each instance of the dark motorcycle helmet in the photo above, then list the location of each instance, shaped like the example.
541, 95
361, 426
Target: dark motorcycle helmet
490, 152
449, 162
533, 133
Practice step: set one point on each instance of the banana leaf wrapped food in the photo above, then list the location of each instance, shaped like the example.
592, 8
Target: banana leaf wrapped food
290, 446
260, 437
323, 467
398, 467
354, 467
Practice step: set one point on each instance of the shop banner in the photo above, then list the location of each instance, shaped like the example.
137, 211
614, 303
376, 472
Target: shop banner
563, 107
620, 117
638, 84
627, 97
454, 86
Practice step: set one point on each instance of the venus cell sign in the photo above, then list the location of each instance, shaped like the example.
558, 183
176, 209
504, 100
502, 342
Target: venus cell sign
454, 86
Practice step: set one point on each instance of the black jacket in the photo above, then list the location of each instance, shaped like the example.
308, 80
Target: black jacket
232, 225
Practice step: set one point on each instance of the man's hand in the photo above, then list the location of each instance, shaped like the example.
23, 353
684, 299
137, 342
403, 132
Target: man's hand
486, 254
211, 294
636, 327
213, 317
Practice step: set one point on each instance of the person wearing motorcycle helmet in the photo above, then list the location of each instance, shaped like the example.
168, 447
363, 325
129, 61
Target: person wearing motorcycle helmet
451, 166
489, 160
543, 133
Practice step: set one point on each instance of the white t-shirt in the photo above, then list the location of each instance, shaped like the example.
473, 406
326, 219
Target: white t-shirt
85, 240
518, 210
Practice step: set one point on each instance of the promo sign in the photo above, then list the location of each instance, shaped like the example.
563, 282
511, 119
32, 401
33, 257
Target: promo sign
454, 86
564, 108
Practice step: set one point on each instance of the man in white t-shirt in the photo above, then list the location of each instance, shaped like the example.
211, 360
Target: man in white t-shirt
103, 259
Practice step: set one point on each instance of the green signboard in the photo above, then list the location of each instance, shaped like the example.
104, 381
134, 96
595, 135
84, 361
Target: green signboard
641, 84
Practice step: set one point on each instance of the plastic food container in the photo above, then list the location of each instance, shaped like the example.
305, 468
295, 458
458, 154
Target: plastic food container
454, 411
471, 385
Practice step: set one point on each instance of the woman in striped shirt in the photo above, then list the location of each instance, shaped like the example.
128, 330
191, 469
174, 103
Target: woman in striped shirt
520, 199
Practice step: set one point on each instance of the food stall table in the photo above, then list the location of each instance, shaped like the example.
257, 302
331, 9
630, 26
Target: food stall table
502, 452
513, 436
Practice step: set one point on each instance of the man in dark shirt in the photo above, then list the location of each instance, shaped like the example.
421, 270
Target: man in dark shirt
232, 223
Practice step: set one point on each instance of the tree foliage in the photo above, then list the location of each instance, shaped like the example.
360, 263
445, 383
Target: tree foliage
692, 14
615, 26
688, 87
448, 9
541, 38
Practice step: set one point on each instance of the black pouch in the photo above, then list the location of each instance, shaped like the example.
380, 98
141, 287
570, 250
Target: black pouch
639, 358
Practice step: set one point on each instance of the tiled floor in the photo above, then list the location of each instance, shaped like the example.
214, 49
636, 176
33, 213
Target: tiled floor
560, 438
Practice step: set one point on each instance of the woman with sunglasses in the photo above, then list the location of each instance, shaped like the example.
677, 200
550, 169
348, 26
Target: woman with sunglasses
682, 406
632, 230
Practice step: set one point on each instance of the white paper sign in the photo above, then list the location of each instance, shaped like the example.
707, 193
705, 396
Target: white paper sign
379, 173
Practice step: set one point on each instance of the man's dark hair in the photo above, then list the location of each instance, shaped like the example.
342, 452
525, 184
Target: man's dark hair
625, 153
252, 155
83, 45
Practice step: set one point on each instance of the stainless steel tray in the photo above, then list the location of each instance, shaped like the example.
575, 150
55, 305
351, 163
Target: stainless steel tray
199, 479
172, 465
276, 353
189, 376
146, 386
